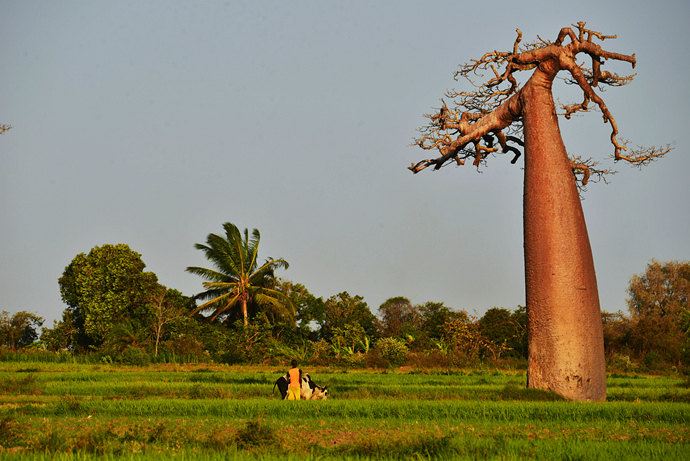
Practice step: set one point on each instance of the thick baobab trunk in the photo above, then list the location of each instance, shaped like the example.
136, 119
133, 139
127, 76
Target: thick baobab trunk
566, 347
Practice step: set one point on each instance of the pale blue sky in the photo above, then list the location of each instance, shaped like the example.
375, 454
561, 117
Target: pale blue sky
151, 123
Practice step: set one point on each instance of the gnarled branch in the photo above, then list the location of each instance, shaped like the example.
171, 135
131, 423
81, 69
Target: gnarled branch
480, 117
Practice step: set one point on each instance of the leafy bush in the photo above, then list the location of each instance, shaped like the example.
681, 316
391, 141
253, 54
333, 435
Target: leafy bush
393, 351
184, 345
434, 358
134, 356
653, 361
621, 362
322, 353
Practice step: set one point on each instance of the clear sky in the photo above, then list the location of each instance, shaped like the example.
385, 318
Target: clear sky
152, 123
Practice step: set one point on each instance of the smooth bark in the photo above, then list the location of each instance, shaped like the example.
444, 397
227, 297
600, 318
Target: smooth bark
566, 347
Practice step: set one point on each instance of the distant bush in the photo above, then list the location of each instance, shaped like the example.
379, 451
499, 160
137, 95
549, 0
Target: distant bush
184, 345
322, 353
434, 358
621, 362
134, 356
32, 354
392, 351
653, 361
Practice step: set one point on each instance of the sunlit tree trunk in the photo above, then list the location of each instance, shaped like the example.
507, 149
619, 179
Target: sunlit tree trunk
244, 311
566, 347
159, 330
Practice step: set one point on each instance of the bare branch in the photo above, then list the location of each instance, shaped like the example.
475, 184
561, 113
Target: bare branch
491, 113
643, 156
586, 171
605, 77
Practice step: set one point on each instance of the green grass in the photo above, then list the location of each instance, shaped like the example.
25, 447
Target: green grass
83, 411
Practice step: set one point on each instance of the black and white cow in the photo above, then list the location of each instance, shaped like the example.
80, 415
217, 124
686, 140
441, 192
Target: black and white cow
309, 390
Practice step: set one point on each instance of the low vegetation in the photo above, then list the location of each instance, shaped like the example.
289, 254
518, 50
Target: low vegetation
79, 411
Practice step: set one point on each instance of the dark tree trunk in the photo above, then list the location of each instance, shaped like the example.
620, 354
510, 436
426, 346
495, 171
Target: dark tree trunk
566, 346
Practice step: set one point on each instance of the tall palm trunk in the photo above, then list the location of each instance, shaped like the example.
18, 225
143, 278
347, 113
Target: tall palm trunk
244, 310
566, 348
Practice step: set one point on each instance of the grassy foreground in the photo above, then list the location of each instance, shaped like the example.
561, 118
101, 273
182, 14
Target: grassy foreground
76, 411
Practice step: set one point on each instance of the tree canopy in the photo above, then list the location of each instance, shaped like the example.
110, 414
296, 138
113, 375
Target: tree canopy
658, 303
488, 119
19, 329
103, 287
344, 309
237, 278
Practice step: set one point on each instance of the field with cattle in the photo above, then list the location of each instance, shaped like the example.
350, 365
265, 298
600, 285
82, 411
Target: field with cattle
78, 411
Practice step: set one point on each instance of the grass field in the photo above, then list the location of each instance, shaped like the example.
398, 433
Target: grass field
78, 411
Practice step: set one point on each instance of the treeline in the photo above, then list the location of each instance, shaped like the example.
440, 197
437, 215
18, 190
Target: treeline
116, 311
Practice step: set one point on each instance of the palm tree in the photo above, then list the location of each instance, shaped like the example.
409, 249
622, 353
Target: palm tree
237, 278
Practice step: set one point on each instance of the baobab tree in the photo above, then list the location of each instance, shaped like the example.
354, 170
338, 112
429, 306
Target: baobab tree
500, 116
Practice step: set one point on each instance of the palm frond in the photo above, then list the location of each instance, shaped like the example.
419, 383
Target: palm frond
280, 296
216, 300
233, 302
236, 246
253, 248
209, 294
224, 286
232, 236
223, 254
209, 274
267, 269
276, 305
235, 274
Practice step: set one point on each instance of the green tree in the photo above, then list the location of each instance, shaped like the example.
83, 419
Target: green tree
237, 278
434, 316
65, 334
466, 343
518, 343
105, 287
309, 310
617, 332
167, 307
399, 318
507, 328
343, 309
350, 339
19, 329
393, 351
658, 304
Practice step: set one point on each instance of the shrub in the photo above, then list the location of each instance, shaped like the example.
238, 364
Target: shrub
322, 353
621, 362
433, 358
134, 356
255, 434
391, 350
184, 345
652, 361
